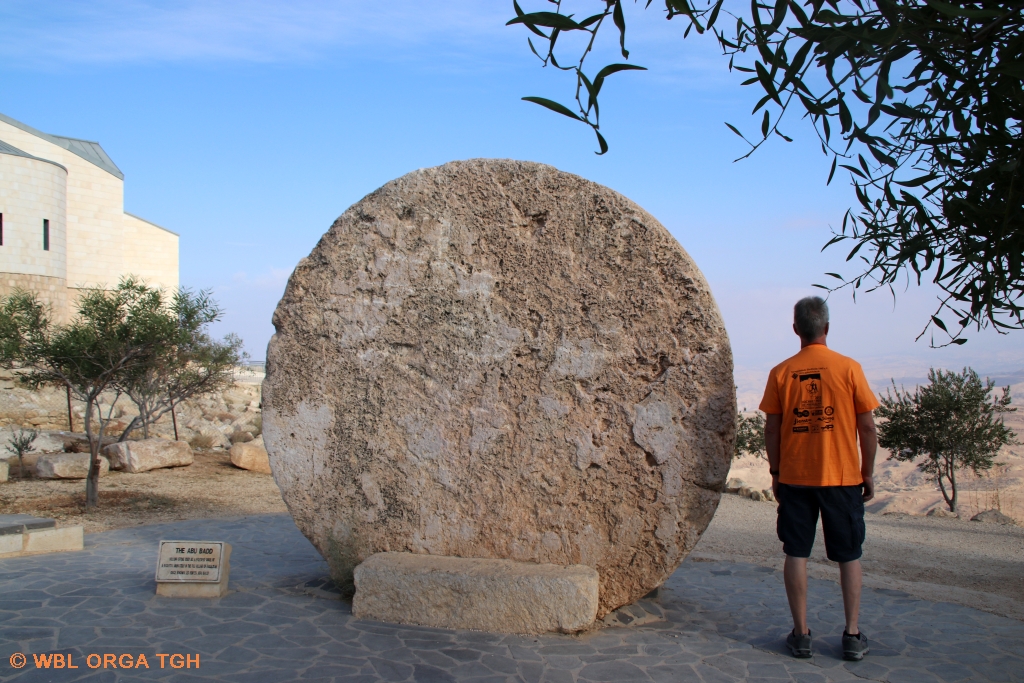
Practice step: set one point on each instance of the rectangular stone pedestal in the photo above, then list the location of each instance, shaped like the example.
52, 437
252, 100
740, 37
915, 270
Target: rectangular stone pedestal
28, 535
201, 576
480, 594
54, 540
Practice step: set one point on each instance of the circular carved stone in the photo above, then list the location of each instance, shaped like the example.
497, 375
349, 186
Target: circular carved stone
496, 359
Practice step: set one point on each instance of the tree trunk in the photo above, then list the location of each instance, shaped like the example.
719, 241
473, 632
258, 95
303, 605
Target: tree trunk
92, 482
71, 421
128, 429
940, 472
952, 486
174, 421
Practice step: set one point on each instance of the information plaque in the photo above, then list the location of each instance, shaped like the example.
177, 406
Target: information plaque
193, 569
190, 561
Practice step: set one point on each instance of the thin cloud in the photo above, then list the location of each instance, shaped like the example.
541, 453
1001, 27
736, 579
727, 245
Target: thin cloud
260, 31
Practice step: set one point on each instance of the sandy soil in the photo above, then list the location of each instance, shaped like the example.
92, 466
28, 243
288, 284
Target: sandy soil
210, 487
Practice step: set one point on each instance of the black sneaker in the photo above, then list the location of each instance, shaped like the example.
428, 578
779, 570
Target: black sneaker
800, 645
854, 647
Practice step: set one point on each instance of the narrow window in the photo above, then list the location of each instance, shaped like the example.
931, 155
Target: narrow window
46, 234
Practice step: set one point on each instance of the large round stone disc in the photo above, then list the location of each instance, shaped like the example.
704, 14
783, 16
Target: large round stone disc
496, 359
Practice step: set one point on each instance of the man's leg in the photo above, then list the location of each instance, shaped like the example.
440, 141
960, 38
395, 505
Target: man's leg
850, 579
795, 575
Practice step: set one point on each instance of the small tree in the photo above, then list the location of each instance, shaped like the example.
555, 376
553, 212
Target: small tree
750, 435
189, 365
949, 425
19, 444
114, 333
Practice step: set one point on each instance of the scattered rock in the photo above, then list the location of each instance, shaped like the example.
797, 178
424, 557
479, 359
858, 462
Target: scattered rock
768, 495
148, 454
756, 495
497, 359
993, 517
67, 466
251, 456
734, 485
241, 437
941, 511
745, 491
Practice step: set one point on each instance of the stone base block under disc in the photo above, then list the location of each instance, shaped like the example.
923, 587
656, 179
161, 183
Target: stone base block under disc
487, 595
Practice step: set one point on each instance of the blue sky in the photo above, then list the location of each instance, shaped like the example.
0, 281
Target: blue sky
248, 127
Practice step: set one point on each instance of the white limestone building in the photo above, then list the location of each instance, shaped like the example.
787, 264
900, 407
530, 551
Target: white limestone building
63, 226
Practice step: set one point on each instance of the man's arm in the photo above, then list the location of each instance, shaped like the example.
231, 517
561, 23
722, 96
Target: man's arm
772, 444
868, 447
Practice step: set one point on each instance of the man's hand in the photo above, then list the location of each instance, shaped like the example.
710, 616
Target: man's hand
775, 486
869, 488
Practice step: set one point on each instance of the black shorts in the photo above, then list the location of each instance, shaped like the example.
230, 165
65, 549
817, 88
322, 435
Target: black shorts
842, 520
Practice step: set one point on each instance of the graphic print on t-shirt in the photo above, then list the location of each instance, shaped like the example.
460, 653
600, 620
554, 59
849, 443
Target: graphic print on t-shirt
814, 411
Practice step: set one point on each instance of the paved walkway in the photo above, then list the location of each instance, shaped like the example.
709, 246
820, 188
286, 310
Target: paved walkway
725, 622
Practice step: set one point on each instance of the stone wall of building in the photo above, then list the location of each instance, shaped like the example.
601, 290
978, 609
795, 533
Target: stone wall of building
95, 211
50, 290
151, 252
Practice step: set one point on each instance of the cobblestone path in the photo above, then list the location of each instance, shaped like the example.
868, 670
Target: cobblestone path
722, 622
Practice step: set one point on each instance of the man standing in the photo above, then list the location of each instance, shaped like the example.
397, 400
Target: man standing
817, 404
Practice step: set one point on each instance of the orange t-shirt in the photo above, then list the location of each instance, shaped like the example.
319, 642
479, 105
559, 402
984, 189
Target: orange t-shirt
819, 393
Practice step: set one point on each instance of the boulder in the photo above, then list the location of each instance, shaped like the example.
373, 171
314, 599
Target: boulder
240, 436
148, 454
745, 491
251, 456
768, 495
67, 466
495, 359
734, 485
756, 495
992, 517
483, 595
941, 511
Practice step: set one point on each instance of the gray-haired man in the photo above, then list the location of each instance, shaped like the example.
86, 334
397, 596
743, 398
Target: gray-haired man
817, 404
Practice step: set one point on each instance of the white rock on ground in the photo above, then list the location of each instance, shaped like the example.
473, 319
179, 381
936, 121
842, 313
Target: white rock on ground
500, 596
148, 454
67, 466
251, 456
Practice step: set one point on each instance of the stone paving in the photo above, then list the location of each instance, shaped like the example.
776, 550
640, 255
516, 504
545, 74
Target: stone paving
722, 622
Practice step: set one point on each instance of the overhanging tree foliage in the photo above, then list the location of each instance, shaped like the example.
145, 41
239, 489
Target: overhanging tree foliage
951, 424
927, 97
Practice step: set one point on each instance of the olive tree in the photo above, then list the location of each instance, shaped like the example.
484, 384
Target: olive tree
188, 364
113, 333
951, 424
918, 100
750, 435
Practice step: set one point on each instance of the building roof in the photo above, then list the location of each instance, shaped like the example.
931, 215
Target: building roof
14, 151
140, 218
88, 150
